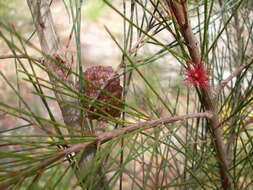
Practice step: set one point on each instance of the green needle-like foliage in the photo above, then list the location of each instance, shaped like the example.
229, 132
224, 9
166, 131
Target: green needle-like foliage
164, 137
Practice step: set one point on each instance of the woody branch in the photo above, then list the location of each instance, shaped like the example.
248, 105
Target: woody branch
207, 99
230, 77
51, 47
101, 138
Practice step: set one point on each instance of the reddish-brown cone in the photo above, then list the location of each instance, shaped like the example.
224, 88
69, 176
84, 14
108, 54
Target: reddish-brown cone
103, 77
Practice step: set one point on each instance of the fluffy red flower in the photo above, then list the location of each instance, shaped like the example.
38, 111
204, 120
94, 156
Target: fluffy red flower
196, 75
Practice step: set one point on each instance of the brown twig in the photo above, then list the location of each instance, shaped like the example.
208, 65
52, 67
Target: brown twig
234, 74
103, 138
207, 99
37, 59
179, 11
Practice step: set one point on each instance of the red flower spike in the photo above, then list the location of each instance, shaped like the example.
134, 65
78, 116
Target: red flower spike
196, 75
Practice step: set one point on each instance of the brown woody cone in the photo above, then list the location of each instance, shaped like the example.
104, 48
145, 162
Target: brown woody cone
105, 78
